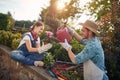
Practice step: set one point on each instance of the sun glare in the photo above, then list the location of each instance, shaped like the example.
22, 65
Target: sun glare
83, 2
61, 4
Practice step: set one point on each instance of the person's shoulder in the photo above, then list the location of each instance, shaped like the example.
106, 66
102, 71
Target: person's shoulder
93, 42
27, 34
83, 41
96, 43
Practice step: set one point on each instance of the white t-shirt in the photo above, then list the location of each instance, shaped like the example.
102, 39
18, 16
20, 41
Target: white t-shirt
26, 37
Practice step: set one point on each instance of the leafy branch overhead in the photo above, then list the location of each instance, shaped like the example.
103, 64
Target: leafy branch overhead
53, 16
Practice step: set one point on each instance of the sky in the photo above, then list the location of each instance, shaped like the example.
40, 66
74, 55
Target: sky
29, 9
23, 9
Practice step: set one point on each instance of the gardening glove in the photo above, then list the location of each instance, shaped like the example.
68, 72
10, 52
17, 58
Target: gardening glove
44, 48
66, 45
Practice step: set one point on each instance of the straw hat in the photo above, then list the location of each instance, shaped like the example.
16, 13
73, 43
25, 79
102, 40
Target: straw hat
92, 26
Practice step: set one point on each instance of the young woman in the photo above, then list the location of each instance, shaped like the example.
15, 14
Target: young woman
29, 50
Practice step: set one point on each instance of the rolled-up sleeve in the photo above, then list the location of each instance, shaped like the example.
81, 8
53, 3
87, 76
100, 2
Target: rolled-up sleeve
85, 54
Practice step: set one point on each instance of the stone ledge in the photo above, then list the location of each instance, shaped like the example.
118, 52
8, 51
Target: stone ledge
37, 72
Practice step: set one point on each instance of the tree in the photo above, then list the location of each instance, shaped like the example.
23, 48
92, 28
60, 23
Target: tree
7, 21
4, 21
23, 23
11, 20
99, 7
53, 17
108, 17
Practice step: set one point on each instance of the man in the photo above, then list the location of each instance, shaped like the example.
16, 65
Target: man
92, 56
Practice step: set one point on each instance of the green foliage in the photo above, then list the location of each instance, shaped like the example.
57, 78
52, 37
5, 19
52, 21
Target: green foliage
23, 23
15, 43
44, 38
99, 7
113, 49
15, 40
49, 61
4, 21
9, 39
59, 52
76, 46
53, 16
5, 37
17, 36
108, 16
72, 75
11, 20
2, 35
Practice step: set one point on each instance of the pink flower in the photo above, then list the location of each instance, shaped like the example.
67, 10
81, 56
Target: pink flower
49, 34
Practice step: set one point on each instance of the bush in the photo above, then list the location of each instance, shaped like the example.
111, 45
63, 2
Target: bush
49, 60
8, 38
3, 37
15, 43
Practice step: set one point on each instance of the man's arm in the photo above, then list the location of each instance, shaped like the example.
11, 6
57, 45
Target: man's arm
85, 54
77, 36
71, 55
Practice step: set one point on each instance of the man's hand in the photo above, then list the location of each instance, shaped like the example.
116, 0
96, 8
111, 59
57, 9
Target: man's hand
44, 48
71, 31
66, 45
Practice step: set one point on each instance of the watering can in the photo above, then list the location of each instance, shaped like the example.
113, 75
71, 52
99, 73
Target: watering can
61, 35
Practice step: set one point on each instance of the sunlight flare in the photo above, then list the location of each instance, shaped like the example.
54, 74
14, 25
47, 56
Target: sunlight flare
62, 3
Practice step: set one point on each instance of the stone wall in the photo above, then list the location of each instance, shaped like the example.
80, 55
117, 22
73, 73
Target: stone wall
12, 70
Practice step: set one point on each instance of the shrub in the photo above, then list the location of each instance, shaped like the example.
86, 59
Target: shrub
7, 37
49, 60
15, 43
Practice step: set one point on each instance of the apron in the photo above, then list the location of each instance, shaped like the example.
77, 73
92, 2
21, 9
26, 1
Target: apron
92, 72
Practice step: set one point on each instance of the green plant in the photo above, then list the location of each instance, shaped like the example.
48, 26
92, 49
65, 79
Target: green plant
15, 43
9, 39
49, 61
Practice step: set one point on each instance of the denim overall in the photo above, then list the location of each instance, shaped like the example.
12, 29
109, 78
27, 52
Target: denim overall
23, 55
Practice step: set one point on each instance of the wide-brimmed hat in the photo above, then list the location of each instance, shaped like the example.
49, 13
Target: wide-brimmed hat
92, 26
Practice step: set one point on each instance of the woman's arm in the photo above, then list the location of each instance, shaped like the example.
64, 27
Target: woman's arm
37, 45
29, 47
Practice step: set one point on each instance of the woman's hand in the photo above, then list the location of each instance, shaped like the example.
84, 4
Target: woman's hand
44, 48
